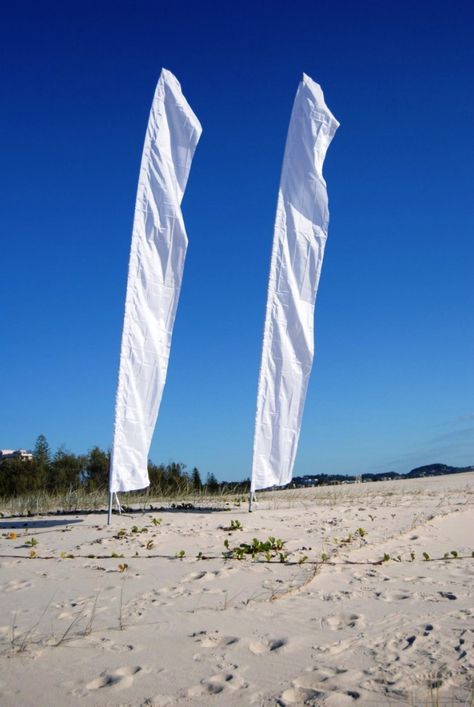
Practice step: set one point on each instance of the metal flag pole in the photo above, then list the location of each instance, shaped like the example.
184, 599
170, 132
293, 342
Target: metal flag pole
252, 498
109, 514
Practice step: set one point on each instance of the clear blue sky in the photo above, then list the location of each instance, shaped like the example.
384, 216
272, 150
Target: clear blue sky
392, 384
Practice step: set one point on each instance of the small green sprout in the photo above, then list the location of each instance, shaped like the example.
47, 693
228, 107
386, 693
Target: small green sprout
31, 542
386, 557
454, 553
426, 557
180, 554
157, 521
302, 559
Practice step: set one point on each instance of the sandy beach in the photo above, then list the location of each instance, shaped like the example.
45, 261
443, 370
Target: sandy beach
368, 601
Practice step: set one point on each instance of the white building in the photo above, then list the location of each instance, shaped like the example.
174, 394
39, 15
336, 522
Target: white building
22, 454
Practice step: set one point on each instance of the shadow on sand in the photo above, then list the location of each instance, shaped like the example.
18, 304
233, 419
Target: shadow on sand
43, 523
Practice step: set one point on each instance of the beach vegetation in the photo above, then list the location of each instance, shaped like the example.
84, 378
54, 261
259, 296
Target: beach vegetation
270, 549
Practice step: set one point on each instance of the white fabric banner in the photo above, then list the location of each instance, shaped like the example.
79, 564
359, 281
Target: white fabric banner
300, 233
156, 265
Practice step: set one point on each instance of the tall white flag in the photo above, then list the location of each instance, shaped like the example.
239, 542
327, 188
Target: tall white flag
301, 226
156, 265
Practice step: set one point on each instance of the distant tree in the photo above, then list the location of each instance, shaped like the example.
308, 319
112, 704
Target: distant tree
196, 479
212, 484
157, 476
66, 472
17, 477
96, 470
177, 478
40, 467
41, 453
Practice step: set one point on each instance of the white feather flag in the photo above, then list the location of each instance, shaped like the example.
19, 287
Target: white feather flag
156, 265
301, 226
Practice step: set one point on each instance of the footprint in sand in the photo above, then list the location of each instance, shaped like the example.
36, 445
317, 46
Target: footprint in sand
120, 678
217, 684
213, 640
327, 685
269, 646
15, 585
338, 622
395, 596
301, 696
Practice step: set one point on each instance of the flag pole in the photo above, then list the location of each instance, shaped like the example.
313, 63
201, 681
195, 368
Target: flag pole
109, 513
252, 498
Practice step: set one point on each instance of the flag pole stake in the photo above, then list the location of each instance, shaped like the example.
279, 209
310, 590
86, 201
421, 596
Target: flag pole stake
109, 513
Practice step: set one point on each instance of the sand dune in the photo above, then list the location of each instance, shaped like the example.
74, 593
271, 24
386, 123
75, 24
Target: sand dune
114, 616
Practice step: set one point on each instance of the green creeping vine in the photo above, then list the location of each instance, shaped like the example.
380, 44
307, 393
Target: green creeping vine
270, 549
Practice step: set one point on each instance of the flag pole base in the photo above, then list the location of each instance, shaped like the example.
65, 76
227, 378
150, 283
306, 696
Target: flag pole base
252, 498
109, 512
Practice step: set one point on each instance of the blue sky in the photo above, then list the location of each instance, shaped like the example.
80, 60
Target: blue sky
392, 384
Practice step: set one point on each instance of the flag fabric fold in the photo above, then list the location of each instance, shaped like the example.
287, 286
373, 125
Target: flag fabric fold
157, 256
300, 233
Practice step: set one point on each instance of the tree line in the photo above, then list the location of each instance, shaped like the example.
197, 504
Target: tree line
63, 472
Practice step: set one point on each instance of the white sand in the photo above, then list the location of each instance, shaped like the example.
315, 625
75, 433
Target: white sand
188, 631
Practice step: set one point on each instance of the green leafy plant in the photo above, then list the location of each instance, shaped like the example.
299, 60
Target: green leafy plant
234, 525
268, 548
324, 557
302, 559
386, 557
180, 554
32, 542
156, 521
426, 557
